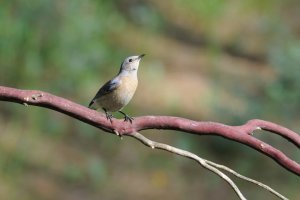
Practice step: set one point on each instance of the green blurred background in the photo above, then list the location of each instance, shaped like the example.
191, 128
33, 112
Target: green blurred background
224, 61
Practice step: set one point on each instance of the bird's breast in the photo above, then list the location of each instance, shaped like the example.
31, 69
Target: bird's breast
121, 96
126, 89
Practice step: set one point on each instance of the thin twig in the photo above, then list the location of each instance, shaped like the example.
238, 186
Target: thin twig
190, 155
206, 164
247, 179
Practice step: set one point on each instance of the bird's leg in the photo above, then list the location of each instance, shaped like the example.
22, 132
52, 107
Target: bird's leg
108, 115
127, 117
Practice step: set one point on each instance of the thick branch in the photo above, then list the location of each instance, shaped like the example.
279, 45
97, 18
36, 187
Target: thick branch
241, 134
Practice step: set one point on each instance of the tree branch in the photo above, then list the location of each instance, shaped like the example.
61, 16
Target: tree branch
242, 134
187, 154
211, 166
246, 179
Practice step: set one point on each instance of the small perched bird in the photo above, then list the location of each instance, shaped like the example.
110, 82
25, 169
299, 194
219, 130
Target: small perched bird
116, 93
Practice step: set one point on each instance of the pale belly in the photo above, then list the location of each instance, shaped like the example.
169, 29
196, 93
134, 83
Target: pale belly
118, 98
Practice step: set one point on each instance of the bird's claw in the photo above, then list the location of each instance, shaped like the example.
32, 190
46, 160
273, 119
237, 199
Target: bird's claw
128, 118
109, 116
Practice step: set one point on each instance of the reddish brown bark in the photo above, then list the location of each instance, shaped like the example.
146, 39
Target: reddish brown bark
241, 134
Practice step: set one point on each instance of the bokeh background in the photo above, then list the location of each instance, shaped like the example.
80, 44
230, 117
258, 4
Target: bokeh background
210, 60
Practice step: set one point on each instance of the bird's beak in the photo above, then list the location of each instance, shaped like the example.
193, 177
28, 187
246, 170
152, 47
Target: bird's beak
140, 56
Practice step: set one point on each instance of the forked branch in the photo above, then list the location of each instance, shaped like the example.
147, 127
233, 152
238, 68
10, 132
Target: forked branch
242, 134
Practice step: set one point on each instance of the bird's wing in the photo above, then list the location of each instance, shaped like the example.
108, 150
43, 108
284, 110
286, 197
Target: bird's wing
107, 88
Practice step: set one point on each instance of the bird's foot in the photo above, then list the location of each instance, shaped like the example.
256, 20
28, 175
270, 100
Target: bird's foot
109, 116
127, 117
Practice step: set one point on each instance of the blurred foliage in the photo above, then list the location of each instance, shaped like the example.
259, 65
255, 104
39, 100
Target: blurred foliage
227, 61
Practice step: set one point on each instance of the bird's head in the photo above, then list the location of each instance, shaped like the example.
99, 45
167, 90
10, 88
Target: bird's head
131, 64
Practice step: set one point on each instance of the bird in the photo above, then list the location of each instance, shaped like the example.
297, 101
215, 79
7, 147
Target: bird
116, 93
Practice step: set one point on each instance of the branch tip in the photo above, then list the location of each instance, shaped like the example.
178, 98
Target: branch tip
116, 132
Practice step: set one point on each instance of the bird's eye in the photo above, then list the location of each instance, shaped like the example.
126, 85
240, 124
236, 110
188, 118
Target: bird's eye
130, 60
